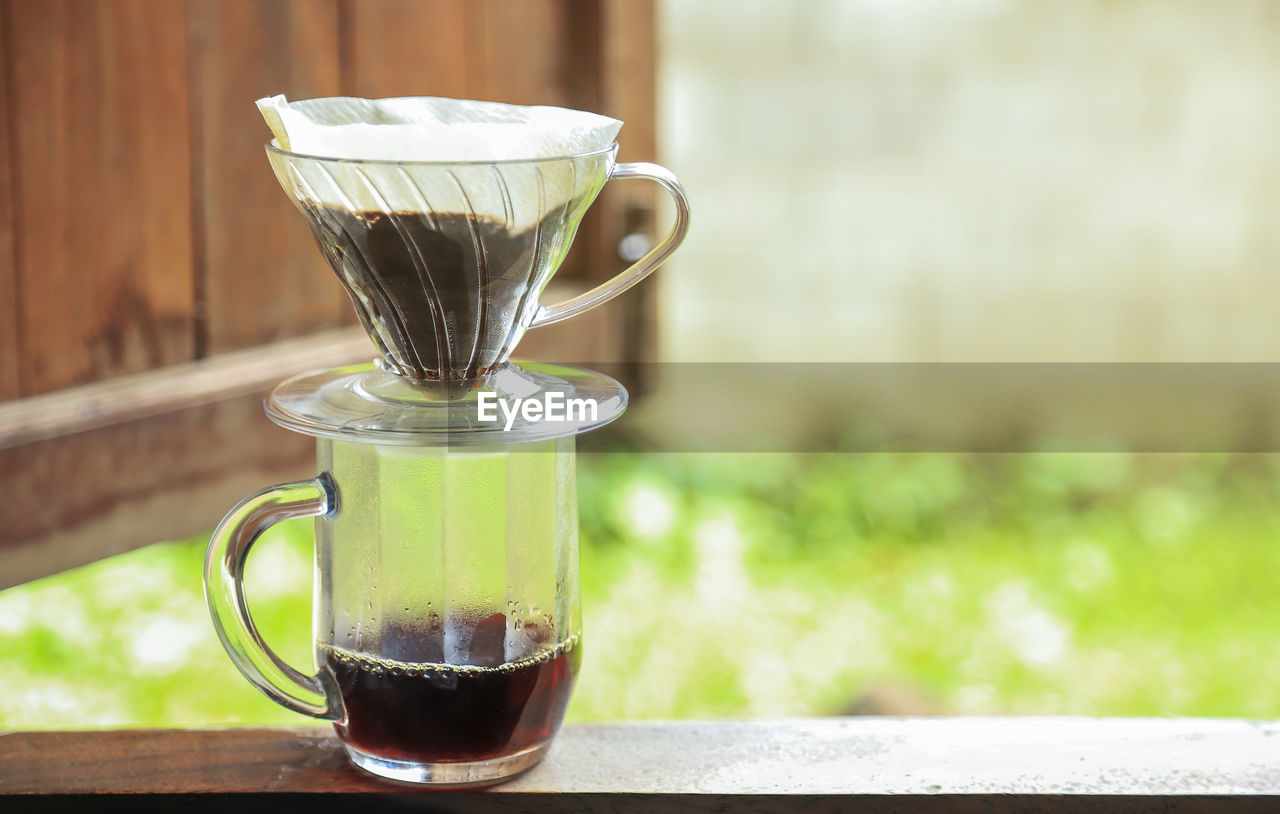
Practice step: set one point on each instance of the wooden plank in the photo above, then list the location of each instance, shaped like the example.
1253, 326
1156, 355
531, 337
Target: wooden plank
404, 48
519, 53
107, 491
840, 764
10, 386
628, 74
100, 138
156, 392
261, 277
628, 91
101, 469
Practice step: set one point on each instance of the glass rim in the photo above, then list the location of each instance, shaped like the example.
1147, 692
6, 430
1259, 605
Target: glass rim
273, 147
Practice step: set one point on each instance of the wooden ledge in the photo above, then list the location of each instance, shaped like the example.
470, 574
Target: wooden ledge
104, 468
1058, 764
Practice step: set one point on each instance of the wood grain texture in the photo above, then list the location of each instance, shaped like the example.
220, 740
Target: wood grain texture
628, 74
627, 69
849, 764
620, 51
261, 276
156, 392
101, 148
10, 376
520, 53
108, 467
404, 48
110, 490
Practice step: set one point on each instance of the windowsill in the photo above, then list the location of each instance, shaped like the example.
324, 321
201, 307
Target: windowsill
1005, 763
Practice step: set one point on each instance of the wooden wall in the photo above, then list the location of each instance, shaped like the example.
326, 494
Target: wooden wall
140, 225
155, 281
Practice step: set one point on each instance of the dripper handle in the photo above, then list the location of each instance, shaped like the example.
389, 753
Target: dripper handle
224, 591
550, 314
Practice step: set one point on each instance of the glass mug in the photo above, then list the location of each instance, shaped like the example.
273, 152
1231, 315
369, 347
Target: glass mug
446, 613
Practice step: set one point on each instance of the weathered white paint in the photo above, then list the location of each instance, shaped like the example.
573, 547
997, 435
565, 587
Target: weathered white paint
1152, 756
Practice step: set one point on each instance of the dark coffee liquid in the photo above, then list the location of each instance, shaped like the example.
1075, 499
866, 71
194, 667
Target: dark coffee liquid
433, 712
441, 292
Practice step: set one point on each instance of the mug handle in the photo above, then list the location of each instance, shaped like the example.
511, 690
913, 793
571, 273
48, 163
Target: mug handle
224, 591
550, 314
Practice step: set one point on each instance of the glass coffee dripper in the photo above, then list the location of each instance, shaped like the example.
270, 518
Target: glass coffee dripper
446, 621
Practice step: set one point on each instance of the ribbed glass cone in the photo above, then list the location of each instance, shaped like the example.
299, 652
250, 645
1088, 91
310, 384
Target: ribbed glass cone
443, 262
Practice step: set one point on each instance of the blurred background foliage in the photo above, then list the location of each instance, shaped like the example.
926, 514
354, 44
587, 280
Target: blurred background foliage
910, 181
742, 585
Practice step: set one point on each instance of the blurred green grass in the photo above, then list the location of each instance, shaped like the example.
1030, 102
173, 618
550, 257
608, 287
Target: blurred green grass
778, 584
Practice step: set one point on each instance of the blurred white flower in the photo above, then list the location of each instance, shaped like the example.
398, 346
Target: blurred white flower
721, 574
15, 613
162, 644
57, 608
42, 701
650, 511
1036, 637
278, 570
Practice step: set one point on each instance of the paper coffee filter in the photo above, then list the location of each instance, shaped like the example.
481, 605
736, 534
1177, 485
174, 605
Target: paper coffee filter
428, 128
434, 129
